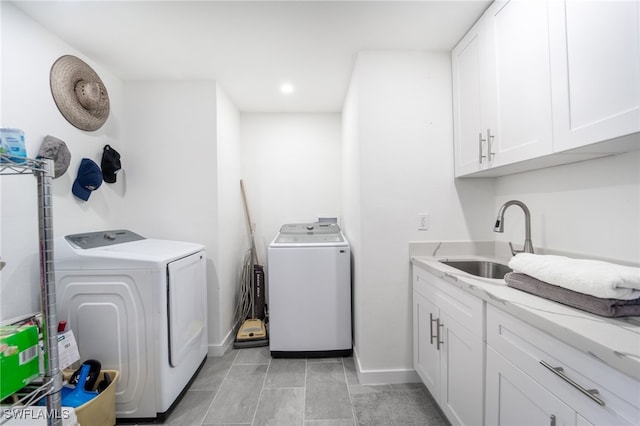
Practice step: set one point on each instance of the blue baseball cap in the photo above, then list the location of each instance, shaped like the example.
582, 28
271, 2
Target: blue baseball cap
89, 179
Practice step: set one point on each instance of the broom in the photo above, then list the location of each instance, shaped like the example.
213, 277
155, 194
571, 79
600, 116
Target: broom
252, 332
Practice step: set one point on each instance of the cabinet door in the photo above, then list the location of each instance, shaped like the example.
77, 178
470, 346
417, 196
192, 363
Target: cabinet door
462, 373
595, 49
426, 357
520, 99
513, 398
468, 95
526, 346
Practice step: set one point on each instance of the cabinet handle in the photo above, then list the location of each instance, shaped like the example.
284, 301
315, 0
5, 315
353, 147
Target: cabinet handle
559, 371
451, 277
552, 420
431, 327
490, 152
480, 141
438, 341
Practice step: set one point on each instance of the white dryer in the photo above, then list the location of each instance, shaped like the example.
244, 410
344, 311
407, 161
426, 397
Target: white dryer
309, 287
140, 307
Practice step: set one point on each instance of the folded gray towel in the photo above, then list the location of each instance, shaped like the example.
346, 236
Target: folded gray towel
595, 305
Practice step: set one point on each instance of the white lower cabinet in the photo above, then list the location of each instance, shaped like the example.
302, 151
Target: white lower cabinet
513, 398
448, 347
527, 367
485, 366
426, 356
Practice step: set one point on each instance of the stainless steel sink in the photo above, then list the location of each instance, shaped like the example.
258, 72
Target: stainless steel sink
480, 268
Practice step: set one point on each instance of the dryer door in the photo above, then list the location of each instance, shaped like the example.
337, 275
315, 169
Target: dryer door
187, 305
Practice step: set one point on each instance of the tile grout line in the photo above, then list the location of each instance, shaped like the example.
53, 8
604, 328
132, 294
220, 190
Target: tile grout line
255, 411
218, 390
346, 381
304, 392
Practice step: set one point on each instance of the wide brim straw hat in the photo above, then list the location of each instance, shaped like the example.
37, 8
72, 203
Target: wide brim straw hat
79, 93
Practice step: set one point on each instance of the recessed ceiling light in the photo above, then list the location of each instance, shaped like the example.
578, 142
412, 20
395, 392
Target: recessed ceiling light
286, 88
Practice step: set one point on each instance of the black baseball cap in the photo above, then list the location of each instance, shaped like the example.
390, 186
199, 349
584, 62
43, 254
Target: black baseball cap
110, 164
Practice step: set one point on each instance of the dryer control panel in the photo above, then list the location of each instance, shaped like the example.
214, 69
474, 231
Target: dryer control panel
102, 238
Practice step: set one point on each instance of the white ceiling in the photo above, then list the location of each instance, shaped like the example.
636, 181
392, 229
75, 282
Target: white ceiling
252, 47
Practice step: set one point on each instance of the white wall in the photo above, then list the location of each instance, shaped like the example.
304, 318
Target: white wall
232, 238
180, 155
351, 200
399, 136
171, 168
590, 208
28, 52
182, 180
291, 170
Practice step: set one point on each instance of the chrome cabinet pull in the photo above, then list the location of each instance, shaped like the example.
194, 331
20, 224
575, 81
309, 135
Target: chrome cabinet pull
438, 341
480, 141
559, 371
490, 152
451, 277
552, 420
431, 327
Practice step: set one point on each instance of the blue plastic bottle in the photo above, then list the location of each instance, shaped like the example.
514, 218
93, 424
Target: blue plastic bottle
12, 146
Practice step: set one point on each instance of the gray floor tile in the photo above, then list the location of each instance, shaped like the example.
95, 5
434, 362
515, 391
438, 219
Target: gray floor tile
224, 424
350, 370
191, 410
338, 422
260, 355
213, 372
247, 388
407, 386
356, 389
286, 373
237, 398
407, 407
280, 407
327, 396
324, 360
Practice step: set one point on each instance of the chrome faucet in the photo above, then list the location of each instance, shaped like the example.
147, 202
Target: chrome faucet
499, 226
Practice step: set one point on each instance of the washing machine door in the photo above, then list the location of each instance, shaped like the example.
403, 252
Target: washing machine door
187, 303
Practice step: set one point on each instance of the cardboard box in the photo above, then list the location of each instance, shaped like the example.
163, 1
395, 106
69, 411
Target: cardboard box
19, 361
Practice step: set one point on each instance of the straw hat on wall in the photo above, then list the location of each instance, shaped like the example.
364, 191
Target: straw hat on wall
79, 93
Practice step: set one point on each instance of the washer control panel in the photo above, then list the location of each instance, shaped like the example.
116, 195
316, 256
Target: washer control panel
315, 228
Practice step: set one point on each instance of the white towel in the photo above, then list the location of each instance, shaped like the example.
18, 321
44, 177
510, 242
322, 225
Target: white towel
600, 279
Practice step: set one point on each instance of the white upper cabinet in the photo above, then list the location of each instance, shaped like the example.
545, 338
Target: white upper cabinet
501, 79
595, 63
520, 125
534, 78
469, 94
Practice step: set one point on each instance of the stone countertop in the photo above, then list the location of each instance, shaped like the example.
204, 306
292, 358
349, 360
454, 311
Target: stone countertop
614, 341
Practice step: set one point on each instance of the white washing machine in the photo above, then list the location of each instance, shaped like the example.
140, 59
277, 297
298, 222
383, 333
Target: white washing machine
138, 306
309, 287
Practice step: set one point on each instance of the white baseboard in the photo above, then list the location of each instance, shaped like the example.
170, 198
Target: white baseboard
222, 348
377, 377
